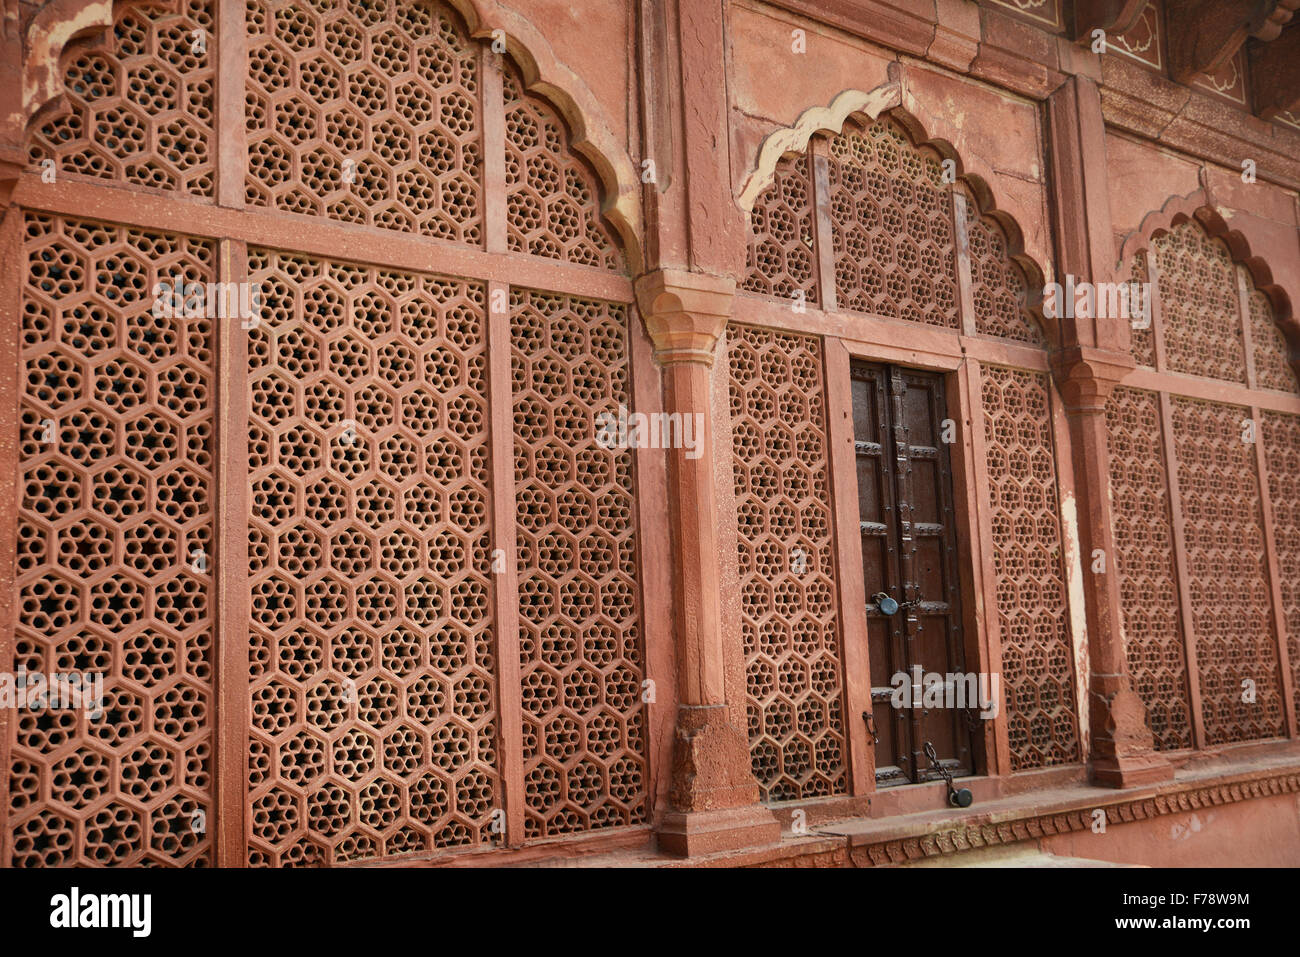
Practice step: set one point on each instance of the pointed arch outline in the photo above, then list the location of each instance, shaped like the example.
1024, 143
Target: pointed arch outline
590, 131
887, 100
1196, 207
62, 29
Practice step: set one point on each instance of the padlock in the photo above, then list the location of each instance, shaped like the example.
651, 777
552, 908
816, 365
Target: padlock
887, 605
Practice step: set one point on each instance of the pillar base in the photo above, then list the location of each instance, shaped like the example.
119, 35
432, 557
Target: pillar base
1123, 753
714, 796
1133, 772
692, 833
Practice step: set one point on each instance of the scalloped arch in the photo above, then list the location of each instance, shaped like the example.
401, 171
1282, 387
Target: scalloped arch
57, 32
886, 100
1196, 206
591, 132
61, 27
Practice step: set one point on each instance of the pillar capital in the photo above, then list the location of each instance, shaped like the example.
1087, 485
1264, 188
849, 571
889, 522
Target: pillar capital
1086, 376
685, 313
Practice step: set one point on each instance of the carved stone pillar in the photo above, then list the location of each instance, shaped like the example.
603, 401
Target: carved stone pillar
713, 794
1123, 752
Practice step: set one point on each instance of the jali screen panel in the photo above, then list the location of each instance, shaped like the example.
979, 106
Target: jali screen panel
373, 692
115, 533
373, 725
1037, 654
580, 642
1144, 544
1227, 572
792, 639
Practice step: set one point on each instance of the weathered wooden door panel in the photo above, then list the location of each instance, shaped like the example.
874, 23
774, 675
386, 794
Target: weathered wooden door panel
908, 553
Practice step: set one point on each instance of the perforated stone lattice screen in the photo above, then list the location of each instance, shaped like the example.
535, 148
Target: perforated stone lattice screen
580, 644
551, 207
115, 533
1281, 436
1207, 314
1144, 558
890, 229
367, 113
893, 232
373, 719
791, 635
140, 107
1198, 296
1272, 354
1235, 635
780, 252
1037, 655
373, 635
1144, 336
997, 283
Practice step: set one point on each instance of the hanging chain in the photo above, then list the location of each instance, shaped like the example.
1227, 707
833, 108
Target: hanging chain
937, 766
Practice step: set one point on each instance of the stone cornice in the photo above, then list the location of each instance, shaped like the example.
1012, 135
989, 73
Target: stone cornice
1027, 61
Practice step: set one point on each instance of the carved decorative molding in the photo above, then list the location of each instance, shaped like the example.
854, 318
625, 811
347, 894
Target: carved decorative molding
1275, 74
890, 98
955, 838
593, 135
1197, 205
817, 119
1205, 34
685, 313
1113, 16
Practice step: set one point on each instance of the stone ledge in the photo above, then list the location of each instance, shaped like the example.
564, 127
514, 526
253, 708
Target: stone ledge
931, 836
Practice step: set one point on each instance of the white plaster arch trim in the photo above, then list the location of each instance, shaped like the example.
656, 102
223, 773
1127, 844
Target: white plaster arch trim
817, 119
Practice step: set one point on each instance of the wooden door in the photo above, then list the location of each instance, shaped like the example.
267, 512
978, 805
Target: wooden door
909, 554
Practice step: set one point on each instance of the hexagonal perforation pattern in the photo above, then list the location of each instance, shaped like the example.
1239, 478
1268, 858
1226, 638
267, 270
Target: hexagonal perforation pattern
1198, 298
891, 237
581, 657
140, 106
552, 205
998, 286
1144, 337
787, 582
385, 94
892, 223
1227, 577
780, 252
373, 679
112, 513
1281, 436
1037, 653
1154, 641
1273, 368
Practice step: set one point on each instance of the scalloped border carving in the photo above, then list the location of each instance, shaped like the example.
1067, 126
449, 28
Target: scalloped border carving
887, 99
56, 33
591, 133
816, 119
62, 26
1196, 206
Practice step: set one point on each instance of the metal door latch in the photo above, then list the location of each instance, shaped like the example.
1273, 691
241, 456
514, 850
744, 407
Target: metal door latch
957, 797
870, 719
890, 606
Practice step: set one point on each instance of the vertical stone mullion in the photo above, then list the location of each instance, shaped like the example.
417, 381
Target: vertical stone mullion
230, 570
